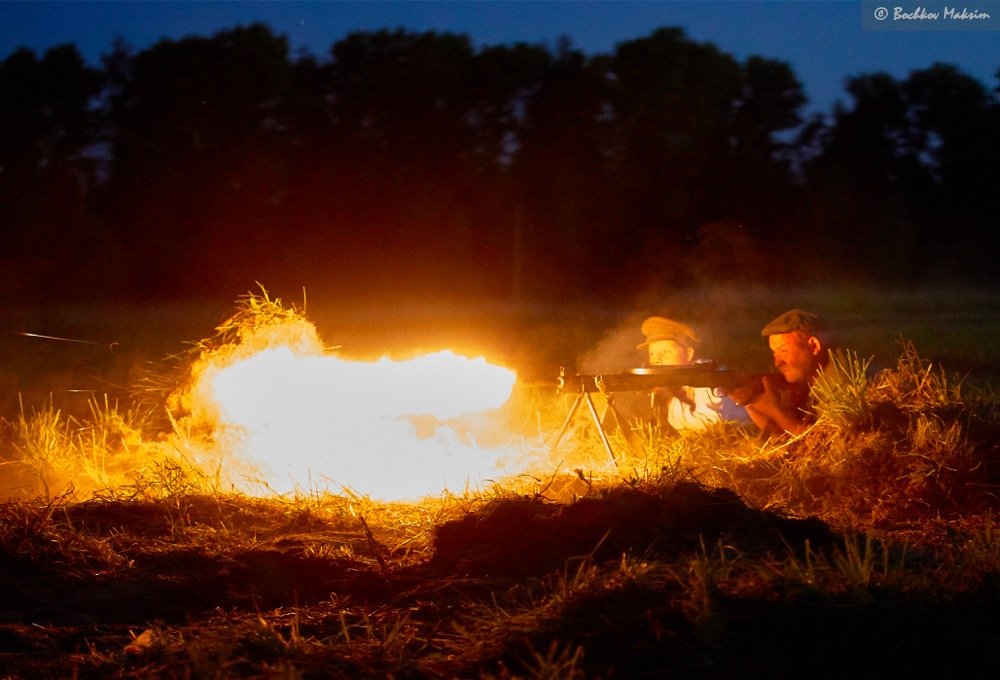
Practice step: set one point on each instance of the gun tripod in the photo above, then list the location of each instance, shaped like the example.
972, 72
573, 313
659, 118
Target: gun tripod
583, 397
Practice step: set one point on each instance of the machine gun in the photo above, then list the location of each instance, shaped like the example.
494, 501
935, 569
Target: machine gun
646, 378
703, 373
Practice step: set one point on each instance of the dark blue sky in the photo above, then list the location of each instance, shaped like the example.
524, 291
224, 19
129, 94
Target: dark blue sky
821, 39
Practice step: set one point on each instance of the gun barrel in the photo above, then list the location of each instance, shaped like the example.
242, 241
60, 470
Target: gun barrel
651, 377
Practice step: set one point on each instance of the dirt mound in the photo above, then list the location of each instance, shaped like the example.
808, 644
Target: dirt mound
526, 536
174, 585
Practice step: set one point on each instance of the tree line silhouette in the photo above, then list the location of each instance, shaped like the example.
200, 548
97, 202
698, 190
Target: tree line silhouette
415, 165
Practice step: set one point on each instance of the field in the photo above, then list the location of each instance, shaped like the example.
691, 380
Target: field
865, 548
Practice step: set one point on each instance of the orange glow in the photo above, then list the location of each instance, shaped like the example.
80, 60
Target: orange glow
387, 429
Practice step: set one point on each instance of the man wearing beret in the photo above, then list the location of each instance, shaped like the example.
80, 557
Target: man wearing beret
671, 343
801, 348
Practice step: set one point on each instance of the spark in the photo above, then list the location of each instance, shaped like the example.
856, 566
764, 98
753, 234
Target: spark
111, 346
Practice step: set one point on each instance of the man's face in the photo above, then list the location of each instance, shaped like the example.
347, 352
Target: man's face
669, 353
796, 355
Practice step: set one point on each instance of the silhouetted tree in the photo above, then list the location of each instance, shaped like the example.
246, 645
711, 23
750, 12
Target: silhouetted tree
955, 128
760, 187
856, 189
197, 174
402, 103
47, 129
508, 82
899, 187
562, 174
697, 143
414, 165
423, 135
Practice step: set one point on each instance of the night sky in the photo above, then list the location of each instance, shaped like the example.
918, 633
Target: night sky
821, 39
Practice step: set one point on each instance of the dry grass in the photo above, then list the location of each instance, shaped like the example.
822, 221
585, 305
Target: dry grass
126, 554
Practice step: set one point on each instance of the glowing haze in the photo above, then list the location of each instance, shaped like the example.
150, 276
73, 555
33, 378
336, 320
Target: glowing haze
388, 429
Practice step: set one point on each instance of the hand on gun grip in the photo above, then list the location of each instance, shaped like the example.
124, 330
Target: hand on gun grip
747, 391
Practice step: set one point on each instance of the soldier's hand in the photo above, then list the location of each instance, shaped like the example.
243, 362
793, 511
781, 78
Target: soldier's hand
747, 391
770, 392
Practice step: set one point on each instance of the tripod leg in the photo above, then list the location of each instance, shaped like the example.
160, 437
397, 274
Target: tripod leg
600, 429
612, 412
567, 421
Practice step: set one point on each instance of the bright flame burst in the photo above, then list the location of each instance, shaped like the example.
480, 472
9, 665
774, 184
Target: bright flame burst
388, 429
